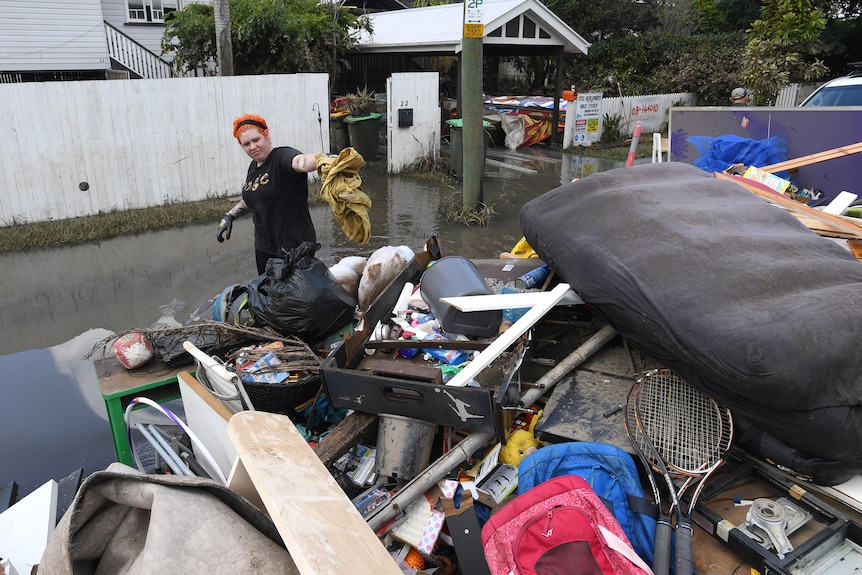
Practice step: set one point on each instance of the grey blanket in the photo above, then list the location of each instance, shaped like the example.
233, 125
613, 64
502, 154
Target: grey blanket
124, 522
735, 295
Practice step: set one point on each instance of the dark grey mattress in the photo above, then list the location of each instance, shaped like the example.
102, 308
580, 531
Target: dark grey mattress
732, 293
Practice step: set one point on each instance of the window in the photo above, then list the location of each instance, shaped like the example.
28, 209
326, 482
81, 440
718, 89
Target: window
151, 10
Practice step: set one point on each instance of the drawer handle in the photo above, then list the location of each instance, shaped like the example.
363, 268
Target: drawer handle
402, 394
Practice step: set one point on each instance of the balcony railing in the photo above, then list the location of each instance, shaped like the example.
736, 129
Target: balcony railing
136, 57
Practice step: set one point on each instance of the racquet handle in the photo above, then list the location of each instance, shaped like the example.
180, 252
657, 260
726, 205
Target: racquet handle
683, 549
661, 551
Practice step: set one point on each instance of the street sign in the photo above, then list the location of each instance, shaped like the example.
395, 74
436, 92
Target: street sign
474, 19
474, 30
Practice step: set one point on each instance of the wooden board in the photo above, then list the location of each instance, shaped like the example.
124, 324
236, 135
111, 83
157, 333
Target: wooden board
577, 407
207, 417
508, 337
814, 158
469, 303
769, 195
319, 525
345, 435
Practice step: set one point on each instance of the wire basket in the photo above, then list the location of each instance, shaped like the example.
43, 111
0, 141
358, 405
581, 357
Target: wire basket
282, 397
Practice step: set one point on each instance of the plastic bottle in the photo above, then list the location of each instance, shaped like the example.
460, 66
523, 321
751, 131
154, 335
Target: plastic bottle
448, 356
401, 304
534, 278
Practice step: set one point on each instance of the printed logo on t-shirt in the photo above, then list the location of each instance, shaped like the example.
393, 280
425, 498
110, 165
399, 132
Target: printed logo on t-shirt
261, 180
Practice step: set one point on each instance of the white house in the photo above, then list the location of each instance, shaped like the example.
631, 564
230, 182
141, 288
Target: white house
83, 39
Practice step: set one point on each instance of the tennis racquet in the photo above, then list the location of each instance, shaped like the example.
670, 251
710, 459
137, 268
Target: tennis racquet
642, 444
690, 433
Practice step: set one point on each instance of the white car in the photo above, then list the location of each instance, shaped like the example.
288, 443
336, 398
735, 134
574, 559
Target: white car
843, 91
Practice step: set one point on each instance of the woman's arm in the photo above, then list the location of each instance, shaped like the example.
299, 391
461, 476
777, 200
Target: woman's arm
239, 209
304, 163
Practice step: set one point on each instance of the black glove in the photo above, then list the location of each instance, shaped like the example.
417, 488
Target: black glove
224, 227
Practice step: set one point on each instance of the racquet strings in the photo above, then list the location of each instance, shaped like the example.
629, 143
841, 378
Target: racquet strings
686, 427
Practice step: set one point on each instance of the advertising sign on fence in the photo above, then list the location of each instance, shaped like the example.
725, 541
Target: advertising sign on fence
588, 119
646, 110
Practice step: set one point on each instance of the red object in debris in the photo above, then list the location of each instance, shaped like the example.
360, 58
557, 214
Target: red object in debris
133, 349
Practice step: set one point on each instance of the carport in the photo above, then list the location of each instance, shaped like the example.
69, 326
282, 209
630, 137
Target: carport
512, 28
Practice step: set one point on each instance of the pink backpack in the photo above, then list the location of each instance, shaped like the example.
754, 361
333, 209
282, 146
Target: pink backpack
560, 526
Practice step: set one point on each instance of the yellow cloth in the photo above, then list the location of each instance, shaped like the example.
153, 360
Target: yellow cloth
342, 191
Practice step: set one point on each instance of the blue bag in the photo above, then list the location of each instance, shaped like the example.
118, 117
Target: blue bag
611, 473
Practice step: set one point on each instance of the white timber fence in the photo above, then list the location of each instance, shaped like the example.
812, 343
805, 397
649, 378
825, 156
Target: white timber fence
72, 149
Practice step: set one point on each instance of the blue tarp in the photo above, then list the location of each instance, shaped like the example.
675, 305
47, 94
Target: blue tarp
719, 153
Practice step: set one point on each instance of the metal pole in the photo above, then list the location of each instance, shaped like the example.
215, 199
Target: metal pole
425, 480
472, 113
224, 49
574, 359
558, 92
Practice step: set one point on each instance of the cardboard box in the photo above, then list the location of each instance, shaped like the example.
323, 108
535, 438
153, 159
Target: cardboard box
269, 377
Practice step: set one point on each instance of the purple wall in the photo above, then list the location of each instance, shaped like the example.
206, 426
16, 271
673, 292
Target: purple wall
805, 130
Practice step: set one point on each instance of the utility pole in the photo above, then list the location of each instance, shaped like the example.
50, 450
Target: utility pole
471, 103
224, 51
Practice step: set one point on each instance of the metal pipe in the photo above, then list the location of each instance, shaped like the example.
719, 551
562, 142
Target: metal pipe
574, 359
175, 457
425, 480
159, 449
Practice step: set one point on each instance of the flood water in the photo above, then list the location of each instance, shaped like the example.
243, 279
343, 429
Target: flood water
56, 304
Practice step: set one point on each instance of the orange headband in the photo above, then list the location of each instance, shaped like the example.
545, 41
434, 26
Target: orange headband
241, 124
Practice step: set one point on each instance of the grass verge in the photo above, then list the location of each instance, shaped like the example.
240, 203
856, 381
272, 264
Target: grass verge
43, 235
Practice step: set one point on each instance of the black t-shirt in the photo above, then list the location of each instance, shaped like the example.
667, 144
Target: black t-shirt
277, 197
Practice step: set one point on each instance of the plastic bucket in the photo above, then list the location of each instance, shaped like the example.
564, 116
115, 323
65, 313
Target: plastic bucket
454, 276
403, 446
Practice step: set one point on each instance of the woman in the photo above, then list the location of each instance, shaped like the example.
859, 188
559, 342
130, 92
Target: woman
275, 192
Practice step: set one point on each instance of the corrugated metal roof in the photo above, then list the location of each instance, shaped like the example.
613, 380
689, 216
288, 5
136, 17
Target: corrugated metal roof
526, 23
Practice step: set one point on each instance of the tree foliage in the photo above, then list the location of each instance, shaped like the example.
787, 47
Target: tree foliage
662, 63
782, 47
268, 37
190, 36
722, 16
605, 20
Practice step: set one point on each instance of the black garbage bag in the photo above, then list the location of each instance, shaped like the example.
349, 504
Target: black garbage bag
298, 296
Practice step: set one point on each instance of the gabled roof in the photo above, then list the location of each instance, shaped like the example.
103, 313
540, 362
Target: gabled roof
519, 25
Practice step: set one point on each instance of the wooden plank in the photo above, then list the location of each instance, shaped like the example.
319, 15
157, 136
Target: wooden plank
506, 301
821, 228
344, 436
772, 196
849, 493
319, 525
814, 158
508, 337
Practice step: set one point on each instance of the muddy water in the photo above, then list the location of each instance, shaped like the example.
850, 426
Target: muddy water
57, 303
